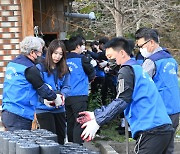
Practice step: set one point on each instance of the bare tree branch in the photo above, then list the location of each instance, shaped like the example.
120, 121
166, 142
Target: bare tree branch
103, 2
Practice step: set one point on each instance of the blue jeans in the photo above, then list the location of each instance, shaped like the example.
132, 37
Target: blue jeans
13, 121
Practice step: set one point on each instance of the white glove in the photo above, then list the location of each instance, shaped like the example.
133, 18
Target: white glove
90, 131
93, 63
63, 99
59, 100
49, 86
103, 64
106, 69
48, 103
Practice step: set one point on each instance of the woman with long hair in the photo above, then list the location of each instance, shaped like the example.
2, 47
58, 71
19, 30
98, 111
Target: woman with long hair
55, 74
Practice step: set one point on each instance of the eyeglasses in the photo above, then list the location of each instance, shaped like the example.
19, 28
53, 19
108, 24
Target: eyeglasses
140, 46
37, 51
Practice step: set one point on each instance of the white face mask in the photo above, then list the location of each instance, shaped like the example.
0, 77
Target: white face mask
145, 53
83, 47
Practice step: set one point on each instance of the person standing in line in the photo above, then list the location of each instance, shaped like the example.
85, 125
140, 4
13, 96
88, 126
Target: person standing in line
163, 68
140, 100
81, 73
22, 85
100, 55
55, 73
97, 84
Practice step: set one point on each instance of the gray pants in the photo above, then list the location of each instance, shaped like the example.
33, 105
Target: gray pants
175, 123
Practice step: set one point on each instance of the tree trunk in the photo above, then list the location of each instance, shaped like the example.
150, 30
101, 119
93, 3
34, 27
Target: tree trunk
118, 19
119, 25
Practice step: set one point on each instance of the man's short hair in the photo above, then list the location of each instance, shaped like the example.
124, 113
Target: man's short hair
73, 42
30, 43
103, 40
94, 43
119, 43
42, 41
147, 34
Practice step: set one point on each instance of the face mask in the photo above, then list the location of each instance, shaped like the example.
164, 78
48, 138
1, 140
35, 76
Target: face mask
112, 60
94, 50
145, 53
83, 47
38, 60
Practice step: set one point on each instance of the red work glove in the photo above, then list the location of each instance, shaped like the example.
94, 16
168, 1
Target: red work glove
85, 116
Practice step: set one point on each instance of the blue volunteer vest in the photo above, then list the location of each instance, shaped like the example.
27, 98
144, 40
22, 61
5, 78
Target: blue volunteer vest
147, 109
166, 80
78, 78
99, 72
19, 97
55, 83
139, 58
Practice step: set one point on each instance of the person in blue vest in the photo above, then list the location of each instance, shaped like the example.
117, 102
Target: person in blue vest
22, 85
55, 73
81, 73
140, 100
163, 69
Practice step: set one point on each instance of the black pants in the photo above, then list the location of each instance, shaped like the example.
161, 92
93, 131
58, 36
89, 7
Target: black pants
175, 123
74, 105
54, 122
97, 84
155, 141
108, 88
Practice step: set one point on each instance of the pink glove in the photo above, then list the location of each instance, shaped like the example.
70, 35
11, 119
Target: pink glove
85, 116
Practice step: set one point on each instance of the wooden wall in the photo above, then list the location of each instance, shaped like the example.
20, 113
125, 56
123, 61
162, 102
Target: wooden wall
27, 17
50, 18
17, 20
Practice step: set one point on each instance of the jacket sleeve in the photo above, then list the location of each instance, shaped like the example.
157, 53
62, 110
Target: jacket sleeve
149, 66
98, 56
93, 54
32, 74
123, 99
65, 88
106, 113
88, 68
46, 93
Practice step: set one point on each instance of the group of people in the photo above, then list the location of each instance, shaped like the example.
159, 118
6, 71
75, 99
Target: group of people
56, 89
149, 96
106, 72
42, 85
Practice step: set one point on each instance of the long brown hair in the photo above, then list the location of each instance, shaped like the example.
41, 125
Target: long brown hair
61, 66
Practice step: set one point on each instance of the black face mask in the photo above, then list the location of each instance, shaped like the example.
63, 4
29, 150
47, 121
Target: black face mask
94, 50
112, 60
38, 60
